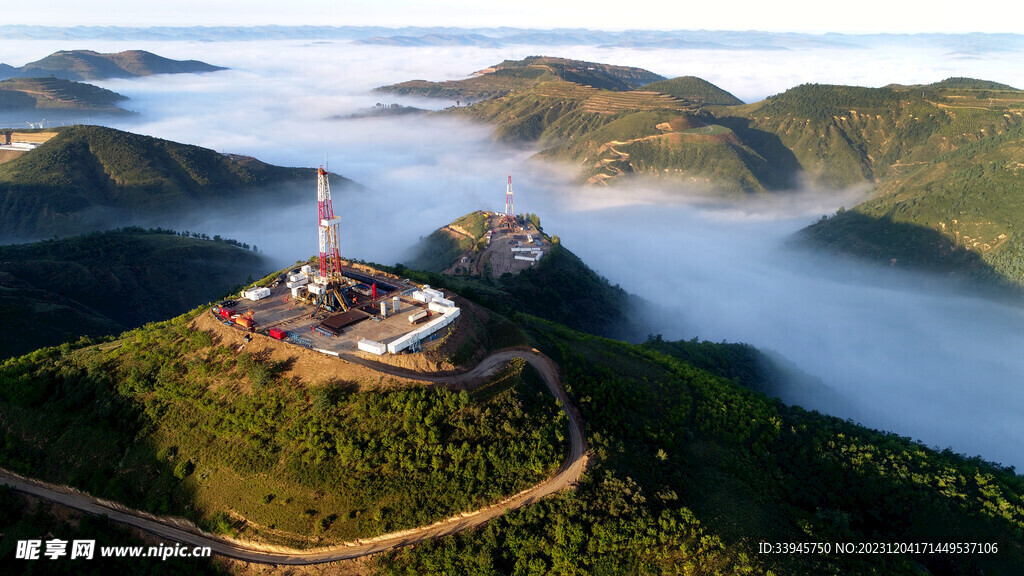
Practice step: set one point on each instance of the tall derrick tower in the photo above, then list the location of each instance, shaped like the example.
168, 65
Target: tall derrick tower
330, 254
510, 215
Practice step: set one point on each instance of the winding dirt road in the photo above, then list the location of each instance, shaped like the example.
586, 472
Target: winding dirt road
180, 530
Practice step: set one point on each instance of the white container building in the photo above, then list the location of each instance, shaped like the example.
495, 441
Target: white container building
372, 346
255, 294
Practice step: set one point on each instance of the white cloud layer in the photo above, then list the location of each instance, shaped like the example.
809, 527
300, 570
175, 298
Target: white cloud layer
913, 358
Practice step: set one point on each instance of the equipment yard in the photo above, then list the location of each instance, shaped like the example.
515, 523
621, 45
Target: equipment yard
333, 308
510, 250
303, 322
509, 245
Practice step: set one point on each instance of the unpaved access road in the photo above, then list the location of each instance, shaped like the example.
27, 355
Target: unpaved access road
180, 530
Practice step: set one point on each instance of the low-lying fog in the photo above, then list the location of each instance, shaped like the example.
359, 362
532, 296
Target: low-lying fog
920, 361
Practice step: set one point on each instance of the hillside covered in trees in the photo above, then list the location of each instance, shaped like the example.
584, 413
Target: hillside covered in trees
104, 283
89, 178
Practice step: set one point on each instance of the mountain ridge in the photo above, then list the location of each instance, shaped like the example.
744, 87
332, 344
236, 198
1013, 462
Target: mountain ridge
91, 65
85, 172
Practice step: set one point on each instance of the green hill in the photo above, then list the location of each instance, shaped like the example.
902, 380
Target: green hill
107, 282
440, 249
90, 65
86, 176
960, 213
849, 135
513, 75
21, 93
560, 287
177, 421
694, 89
944, 158
970, 84
688, 130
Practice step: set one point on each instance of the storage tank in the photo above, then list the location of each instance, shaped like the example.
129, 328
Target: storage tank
417, 316
384, 309
396, 304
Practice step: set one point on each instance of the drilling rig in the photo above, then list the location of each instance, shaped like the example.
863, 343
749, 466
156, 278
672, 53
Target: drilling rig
510, 215
330, 281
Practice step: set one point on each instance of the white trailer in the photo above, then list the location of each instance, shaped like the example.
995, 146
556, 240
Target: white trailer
255, 294
372, 346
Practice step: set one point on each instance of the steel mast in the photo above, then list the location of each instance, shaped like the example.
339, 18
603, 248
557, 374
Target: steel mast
330, 254
510, 215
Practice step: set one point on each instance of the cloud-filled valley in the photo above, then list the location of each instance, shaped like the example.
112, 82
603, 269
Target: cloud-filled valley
910, 355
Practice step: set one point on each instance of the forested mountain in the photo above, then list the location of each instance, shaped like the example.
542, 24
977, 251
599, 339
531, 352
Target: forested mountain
87, 177
943, 159
104, 283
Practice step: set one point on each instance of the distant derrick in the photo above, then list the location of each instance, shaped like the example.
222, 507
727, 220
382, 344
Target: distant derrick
330, 254
510, 213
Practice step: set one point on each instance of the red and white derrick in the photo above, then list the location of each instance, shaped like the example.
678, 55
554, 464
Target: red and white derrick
510, 214
330, 254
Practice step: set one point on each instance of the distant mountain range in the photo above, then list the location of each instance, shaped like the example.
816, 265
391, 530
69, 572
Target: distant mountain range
90, 65
505, 36
944, 158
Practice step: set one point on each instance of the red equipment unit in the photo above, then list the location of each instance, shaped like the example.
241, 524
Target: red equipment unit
277, 333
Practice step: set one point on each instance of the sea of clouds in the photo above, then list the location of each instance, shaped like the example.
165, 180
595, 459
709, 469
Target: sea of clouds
903, 354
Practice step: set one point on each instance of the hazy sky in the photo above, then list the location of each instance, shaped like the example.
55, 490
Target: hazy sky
781, 15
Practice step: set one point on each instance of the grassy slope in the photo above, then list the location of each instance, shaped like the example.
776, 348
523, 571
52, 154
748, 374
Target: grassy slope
166, 420
104, 283
847, 135
958, 211
85, 169
694, 89
438, 251
517, 75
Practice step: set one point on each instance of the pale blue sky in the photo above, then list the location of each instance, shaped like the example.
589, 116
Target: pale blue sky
776, 15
